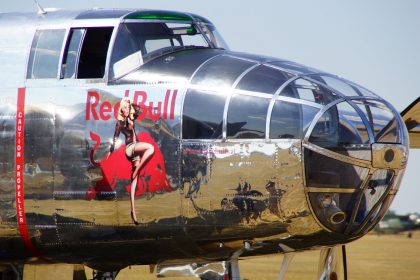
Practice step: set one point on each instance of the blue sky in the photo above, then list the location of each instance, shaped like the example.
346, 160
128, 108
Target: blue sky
374, 43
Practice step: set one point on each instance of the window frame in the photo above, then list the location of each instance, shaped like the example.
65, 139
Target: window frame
65, 51
288, 102
144, 52
202, 93
77, 24
82, 48
267, 118
31, 55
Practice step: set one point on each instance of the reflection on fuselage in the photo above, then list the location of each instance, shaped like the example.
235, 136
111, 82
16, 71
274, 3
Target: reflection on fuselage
247, 148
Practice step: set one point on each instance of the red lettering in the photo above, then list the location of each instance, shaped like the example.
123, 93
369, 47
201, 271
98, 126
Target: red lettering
155, 117
90, 107
138, 93
103, 112
171, 116
141, 103
165, 104
116, 107
106, 108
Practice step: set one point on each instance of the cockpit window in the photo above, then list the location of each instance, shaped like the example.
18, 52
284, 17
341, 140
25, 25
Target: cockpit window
212, 35
156, 44
139, 42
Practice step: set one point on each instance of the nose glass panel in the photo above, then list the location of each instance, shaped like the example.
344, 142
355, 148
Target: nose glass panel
341, 129
290, 120
375, 190
309, 91
247, 117
382, 120
339, 85
348, 185
333, 210
333, 187
325, 172
202, 115
263, 79
220, 72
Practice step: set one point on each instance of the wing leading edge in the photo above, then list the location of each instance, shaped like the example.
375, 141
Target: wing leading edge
411, 117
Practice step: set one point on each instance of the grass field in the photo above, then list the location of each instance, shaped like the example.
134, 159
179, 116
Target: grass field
372, 257
385, 257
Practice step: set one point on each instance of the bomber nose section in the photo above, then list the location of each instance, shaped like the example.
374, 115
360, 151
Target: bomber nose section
354, 144
355, 152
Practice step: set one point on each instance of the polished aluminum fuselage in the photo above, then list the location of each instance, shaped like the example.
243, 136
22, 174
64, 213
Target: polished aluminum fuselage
76, 201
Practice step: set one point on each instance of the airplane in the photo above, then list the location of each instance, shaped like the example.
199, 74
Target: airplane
393, 223
137, 137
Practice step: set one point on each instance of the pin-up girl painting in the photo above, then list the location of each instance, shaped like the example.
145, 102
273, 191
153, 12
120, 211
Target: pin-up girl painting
137, 152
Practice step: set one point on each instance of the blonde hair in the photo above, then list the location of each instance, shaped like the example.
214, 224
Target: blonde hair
122, 103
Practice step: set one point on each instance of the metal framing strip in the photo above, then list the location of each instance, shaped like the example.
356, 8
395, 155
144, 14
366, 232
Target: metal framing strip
337, 156
229, 97
308, 201
271, 105
186, 91
331, 190
365, 121
318, 116
393, 192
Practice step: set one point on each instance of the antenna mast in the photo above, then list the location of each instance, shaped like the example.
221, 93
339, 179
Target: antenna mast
41, 10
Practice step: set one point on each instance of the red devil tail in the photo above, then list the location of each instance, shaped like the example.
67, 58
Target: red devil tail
97, 139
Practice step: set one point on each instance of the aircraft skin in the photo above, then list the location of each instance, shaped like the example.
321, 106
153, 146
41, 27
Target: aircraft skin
246, 148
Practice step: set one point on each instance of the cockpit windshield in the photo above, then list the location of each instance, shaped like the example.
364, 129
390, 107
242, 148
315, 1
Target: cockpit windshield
139, 42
